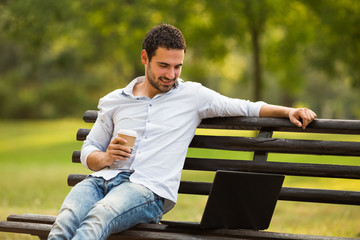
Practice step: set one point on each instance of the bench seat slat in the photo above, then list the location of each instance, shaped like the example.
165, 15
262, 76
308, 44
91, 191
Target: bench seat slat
42, 230
37, 229
261, 235
32, 218
182, 235
146, 228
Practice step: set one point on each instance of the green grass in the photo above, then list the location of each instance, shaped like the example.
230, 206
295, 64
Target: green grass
35, 159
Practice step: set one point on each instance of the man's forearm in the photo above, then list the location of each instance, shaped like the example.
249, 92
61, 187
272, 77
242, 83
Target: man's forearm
96, 160
269, 110
300, 117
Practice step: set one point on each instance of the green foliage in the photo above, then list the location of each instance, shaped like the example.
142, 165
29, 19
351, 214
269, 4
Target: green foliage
61, 56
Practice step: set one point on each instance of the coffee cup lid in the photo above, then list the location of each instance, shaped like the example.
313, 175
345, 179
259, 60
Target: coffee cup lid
128, 132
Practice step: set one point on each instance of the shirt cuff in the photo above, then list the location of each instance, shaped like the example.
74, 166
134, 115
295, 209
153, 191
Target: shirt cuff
85, 152
255, 110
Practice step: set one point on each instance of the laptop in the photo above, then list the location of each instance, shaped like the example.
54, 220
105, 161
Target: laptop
239, 200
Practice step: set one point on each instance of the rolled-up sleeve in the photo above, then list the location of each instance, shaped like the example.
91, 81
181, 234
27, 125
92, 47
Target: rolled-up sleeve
100, 135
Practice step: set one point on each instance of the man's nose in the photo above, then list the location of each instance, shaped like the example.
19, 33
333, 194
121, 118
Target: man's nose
170, 74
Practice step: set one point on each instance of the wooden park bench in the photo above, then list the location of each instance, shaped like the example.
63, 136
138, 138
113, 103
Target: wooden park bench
261, 146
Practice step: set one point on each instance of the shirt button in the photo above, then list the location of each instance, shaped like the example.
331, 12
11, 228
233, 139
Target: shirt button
150, 105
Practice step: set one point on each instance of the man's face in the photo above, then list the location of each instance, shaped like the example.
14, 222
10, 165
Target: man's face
164, 69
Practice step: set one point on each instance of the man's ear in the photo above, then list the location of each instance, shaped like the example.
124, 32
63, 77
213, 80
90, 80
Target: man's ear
144, 57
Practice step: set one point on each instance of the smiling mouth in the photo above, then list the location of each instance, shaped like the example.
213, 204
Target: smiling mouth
166, 81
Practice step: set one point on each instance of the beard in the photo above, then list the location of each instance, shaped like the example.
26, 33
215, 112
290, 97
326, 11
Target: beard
157, 82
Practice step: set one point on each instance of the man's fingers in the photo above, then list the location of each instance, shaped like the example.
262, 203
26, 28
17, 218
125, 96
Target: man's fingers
309, 116
120, 155
119, 140
306, 116
118, 151
296, 122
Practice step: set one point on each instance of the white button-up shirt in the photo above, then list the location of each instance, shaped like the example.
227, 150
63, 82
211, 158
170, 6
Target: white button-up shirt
165, 126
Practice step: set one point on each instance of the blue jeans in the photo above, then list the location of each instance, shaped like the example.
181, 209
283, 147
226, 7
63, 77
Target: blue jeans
96, 208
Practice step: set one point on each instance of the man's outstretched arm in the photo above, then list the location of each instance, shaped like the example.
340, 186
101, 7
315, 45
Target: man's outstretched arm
300, 117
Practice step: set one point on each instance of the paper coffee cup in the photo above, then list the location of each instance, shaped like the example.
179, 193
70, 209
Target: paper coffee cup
129, 135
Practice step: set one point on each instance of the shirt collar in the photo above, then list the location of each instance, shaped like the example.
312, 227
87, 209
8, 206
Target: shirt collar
128, 90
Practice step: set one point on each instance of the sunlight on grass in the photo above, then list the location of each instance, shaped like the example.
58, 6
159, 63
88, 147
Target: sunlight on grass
316, 219
37, 134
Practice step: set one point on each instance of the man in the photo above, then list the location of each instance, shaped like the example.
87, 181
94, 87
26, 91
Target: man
131, 186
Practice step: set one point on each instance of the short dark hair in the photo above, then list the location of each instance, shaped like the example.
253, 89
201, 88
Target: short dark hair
163, 35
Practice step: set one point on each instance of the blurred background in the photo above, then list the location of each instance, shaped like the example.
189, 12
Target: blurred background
57, 58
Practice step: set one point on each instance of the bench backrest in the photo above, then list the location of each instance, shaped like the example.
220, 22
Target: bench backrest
264, 144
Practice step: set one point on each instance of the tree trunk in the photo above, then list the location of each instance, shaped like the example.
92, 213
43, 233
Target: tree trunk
257, 71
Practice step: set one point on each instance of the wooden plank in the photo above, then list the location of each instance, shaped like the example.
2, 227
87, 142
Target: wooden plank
76, 156
294, 169
37, 229
32, 218
261, 156
288, 194
277, 145
73, 179
338, 126
253, 234
160, 231
90, 116
42, 230
320, 196
147, 235
82, 133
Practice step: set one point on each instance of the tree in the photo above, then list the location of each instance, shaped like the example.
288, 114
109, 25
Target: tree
60, 56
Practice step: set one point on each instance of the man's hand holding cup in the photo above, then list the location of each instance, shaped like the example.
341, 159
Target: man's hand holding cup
121, 146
